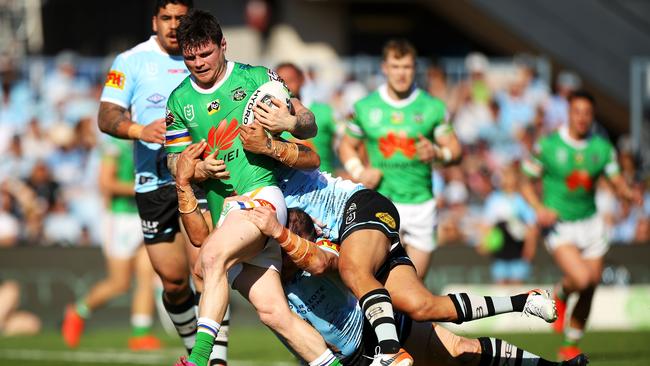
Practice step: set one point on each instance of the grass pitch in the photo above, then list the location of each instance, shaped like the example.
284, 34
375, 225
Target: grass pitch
253, 346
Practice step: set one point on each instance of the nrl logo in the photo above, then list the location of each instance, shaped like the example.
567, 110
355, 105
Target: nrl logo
238, 94
213, 107
189, 112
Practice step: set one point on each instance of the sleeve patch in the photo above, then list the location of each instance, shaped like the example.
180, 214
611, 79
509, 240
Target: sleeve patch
115, 79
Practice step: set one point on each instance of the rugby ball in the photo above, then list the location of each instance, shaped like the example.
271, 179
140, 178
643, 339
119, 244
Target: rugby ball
266, 91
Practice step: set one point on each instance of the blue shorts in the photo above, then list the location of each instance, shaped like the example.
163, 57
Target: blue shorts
512, 269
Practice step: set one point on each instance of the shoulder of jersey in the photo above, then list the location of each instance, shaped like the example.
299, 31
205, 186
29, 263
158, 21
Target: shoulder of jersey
146, 47
372, 98
430, 98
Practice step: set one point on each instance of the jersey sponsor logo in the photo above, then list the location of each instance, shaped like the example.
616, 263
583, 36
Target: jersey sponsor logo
115, 79
155, 98
214, 106
375, 116
393, 142
149, 227
327, 244
579, 158
579, 178
397, 117
238, 94
189, 112
177, 71
387, 219
222, 137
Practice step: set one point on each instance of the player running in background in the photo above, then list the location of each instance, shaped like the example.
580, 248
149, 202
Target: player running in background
569, 161
323, 142
404, 130
125, 255
209, 105
133, 107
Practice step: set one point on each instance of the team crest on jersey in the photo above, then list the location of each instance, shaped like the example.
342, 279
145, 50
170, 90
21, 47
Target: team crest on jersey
238, 94
155, 98
418, 118
396, 117
375, 116
387, 219
188, 110
214, 106
580, 158
115, 79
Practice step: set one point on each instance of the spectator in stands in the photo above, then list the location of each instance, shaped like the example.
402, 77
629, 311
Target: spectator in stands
62, 86
509, 231
46, 189
516, 111
557, 106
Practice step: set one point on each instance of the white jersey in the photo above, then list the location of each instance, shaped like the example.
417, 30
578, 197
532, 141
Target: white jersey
319, 195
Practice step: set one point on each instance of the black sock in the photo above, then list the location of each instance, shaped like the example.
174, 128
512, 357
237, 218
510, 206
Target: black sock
472, 307
378, 309
184, 318
497, 352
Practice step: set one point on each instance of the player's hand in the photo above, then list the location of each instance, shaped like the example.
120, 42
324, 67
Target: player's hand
212, 168
275, 120
426, 150
265, 220
370, 178
187, 161
154, 132
255, 139
545, 216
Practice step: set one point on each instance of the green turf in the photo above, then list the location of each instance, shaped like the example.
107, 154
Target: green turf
257, 346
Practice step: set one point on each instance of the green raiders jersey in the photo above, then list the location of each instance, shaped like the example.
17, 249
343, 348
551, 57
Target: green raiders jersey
214, 114
390, 130
569, 169
120, 153
322, 142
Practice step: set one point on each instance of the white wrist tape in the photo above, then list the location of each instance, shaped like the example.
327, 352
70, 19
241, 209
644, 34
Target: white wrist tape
446, 154
354, 166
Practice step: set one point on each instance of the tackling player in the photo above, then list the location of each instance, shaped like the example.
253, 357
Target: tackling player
125, 255
132, 107
569, 161
404, 130
209, 105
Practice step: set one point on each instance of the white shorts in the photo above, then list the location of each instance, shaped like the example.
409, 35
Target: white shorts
122, 234
271, 256
417, 224
589, 235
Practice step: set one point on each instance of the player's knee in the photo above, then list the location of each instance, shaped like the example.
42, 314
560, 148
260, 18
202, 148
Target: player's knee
582, 281
212, 261
466, 350
176, 288
121, 286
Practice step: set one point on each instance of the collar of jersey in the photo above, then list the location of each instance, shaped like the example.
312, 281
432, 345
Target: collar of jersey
155, 46
383, 94
564, 135
229, 67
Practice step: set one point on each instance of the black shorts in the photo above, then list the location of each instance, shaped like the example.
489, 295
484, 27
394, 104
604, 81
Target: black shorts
369, 210
159, 215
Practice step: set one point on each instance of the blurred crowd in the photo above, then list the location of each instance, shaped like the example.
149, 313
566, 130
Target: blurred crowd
50, 143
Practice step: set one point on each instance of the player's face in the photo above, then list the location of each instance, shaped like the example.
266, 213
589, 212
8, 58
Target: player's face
206, 62
165, 24
292, 78
581, 115
399, 72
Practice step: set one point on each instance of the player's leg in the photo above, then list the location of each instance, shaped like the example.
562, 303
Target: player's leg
370, 228
412, 298
263, 289
142, 304
431, 344
417, 232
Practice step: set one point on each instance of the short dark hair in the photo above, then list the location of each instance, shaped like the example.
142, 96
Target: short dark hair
290, 65
162, 3
301, 224
582, 94
197, 29
400, 47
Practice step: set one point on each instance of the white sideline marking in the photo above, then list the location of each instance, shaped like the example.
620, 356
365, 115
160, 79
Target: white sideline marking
110, 357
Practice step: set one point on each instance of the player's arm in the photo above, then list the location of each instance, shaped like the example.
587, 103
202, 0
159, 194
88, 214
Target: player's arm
301, 124
193, 220
115, 120
305, 254
349, 155
108, 183
533, 168
299, 156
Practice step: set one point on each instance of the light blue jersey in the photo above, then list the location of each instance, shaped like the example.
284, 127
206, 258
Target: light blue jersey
318, 194
330, 308
141, 80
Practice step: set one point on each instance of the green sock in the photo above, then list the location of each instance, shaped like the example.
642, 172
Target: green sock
202, 349
82, 309
569, 342
138, 331
336, 362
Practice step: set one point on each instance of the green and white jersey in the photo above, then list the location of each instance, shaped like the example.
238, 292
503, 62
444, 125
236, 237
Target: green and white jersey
322, 142
120, 153
214, 114
390, 130
569, 169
